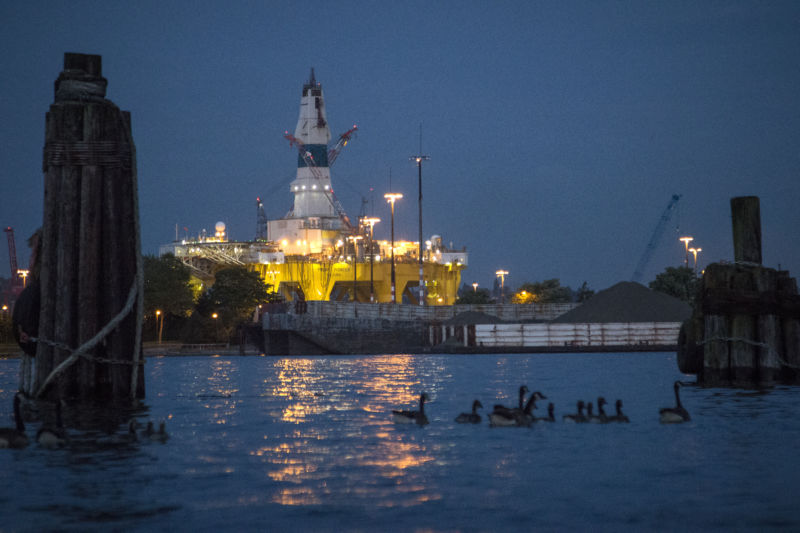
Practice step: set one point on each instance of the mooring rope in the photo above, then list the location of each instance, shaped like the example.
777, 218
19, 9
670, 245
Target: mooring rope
91, 343
769, 347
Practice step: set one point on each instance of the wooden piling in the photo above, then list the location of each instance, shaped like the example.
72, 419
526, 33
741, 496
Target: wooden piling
716, 358
90, 244
746, 218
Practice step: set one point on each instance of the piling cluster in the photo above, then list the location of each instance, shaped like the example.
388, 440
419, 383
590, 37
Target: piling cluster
745, 327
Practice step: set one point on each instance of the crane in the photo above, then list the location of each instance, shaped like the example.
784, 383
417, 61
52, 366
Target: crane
656, 238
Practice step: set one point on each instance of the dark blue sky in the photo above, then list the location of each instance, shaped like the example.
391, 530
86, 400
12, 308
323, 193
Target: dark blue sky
558, 131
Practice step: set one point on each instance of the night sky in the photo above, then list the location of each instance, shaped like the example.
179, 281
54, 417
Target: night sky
557, 131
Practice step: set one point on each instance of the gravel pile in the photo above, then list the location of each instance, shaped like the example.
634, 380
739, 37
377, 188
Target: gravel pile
472, 317
628, 301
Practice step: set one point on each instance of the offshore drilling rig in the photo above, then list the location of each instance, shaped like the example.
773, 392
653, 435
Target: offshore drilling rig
315, 252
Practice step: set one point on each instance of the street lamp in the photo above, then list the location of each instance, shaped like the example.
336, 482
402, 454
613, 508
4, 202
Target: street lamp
695, 251
355, 239
24, 274
159, 323
502, 275
475, 287
391, 198
686, 241
216, 327
419, 159
371, 221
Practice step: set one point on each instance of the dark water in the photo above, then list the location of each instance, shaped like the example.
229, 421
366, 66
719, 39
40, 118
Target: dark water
302, 443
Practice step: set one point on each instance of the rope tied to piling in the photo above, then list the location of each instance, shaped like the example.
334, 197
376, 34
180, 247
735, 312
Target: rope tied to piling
771, 349
82, 350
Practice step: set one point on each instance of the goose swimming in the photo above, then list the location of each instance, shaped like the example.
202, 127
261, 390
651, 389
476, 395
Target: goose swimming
619, 417
53, 437
551, 417
577, 417
14, 437
413, 417
516, 417
470, 418
677, 414
600, 417
156, 436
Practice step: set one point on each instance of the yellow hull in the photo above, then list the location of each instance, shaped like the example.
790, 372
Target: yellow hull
329, 280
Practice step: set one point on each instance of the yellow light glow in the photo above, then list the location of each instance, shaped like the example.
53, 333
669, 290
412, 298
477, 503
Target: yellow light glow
391, 197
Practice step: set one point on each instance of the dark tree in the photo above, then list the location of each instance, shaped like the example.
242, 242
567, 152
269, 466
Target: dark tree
480, 296
584, 293
167, 286
234, 296
679, 282
543, 292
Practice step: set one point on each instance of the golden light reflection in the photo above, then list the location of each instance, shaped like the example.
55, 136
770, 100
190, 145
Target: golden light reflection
322, 401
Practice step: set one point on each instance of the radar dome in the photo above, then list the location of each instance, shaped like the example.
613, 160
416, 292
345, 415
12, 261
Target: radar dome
220, 227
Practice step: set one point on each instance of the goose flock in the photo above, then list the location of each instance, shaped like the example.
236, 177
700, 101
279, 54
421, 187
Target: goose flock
55, 436
523, 414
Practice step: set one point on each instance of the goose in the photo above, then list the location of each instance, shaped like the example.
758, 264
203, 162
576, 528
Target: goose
413, 417
470, 418
600, 417
504, 416
156, 436
577, 417
527, 417
550, 416
619, 417
677, 414
516, 417
14, 437
53, 437
522, 390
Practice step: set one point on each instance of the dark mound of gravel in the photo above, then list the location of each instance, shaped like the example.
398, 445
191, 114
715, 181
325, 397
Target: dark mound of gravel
472, 317
628, 301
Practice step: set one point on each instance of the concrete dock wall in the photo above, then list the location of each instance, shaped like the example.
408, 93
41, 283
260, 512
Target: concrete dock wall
404, 312
306, 334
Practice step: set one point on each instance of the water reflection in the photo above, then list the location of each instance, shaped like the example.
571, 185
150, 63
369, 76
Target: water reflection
328, 401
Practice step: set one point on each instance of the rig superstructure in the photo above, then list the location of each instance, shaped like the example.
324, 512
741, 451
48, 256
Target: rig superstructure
316, 252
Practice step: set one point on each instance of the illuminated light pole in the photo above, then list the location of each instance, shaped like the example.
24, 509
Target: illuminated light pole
371, 221
159, 323
355, 239
695, 251
686, 241
475, 287
24, 274
502, 275
392, 197
419, 159
216, 328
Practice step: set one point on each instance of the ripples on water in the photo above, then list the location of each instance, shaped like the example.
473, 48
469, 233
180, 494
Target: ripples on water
287, 444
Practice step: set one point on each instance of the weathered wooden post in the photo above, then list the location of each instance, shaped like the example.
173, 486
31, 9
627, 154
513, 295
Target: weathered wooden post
746, 219
89, 343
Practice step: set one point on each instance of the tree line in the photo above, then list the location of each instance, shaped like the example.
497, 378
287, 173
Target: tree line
679, 282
